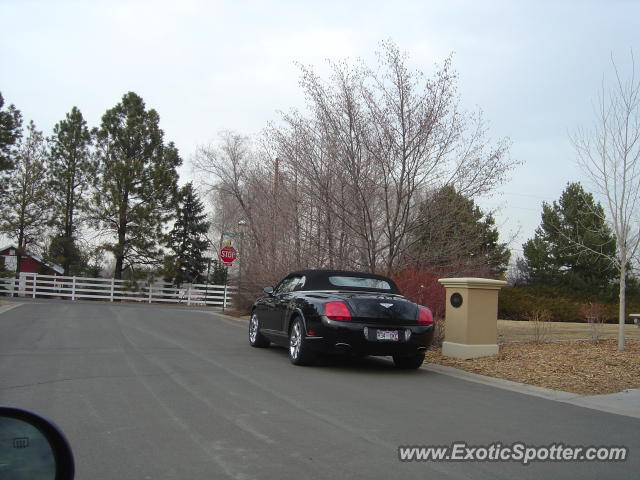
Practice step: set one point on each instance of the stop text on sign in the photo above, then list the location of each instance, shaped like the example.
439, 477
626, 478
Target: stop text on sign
228, 255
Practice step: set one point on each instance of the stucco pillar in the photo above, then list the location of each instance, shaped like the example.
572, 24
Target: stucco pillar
471, 317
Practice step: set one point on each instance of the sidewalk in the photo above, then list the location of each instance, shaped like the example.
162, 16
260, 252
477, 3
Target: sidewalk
626, 402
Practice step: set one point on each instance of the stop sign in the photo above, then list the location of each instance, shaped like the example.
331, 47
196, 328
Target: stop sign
228, 255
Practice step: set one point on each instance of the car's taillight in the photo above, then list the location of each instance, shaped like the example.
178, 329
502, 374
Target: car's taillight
425, 317
337, 311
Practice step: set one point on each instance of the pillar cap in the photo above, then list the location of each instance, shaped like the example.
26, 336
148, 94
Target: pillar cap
473, 282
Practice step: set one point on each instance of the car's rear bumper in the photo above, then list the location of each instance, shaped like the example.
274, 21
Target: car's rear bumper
332, 336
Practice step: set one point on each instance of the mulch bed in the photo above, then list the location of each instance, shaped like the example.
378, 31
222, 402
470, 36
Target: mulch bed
576, 366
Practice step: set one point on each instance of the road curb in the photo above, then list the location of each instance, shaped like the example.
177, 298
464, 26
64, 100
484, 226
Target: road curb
6, 308
625, 403
502, 383
229, 317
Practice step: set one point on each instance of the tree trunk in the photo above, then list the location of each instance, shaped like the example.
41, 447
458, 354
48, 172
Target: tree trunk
622, 310
122, 235
66, 263
117, 274
119, 263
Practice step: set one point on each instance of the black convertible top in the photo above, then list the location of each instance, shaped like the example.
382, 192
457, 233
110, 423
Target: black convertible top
318, 279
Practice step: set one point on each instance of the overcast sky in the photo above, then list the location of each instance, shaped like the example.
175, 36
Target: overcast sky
534, 68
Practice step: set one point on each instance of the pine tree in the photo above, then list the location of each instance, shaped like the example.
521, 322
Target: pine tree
27, 205
452, 230
10, 134
137, 182
219, 274
71, 171
573, 243
187, 239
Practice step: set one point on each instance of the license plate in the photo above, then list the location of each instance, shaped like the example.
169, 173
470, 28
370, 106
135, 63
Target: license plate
390, 335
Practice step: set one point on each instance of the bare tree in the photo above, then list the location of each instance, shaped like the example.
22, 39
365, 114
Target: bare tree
227, 169
245, 184
374, 140
338, 185
609, 154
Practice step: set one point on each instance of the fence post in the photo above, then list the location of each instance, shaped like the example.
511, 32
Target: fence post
224, 299
33, 285
150, 292
73, 288
113, 282
189, 295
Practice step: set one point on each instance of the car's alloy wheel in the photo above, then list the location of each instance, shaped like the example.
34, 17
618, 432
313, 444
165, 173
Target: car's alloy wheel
299, 352
256, 339
295, 341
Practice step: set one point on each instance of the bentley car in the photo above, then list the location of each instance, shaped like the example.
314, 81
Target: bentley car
333, 311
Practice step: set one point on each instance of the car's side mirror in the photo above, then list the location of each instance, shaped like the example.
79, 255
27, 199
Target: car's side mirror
268, 290
32, 447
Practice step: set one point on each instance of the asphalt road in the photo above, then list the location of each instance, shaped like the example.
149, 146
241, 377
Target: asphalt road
147, 392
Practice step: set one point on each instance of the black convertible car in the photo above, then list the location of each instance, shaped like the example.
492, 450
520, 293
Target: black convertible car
312, 311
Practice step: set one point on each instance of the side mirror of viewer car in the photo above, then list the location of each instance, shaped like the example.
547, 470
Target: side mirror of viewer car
32, 447
268, 290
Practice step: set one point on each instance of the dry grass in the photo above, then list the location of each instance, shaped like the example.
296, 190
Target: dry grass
577, 366
569, 361
509, 331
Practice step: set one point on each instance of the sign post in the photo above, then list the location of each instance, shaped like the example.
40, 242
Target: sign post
227, 254
206, 284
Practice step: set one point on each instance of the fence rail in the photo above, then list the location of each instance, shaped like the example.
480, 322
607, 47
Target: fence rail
36, 285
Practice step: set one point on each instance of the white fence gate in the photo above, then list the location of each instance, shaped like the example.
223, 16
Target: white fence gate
36, 285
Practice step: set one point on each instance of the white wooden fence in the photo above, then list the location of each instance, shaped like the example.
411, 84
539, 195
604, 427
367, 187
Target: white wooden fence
36, 285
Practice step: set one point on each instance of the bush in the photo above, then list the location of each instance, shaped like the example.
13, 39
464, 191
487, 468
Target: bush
562, 303
422, 287
438, 334
594, 314
539, 321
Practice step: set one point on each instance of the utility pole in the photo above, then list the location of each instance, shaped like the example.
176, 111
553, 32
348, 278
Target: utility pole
274, 205
241, 226
206, 284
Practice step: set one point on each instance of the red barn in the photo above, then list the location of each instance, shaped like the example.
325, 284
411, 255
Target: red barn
29, 262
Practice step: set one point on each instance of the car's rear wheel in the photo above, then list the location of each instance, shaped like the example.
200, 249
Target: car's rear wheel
409, 362
299, 351
256, 339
